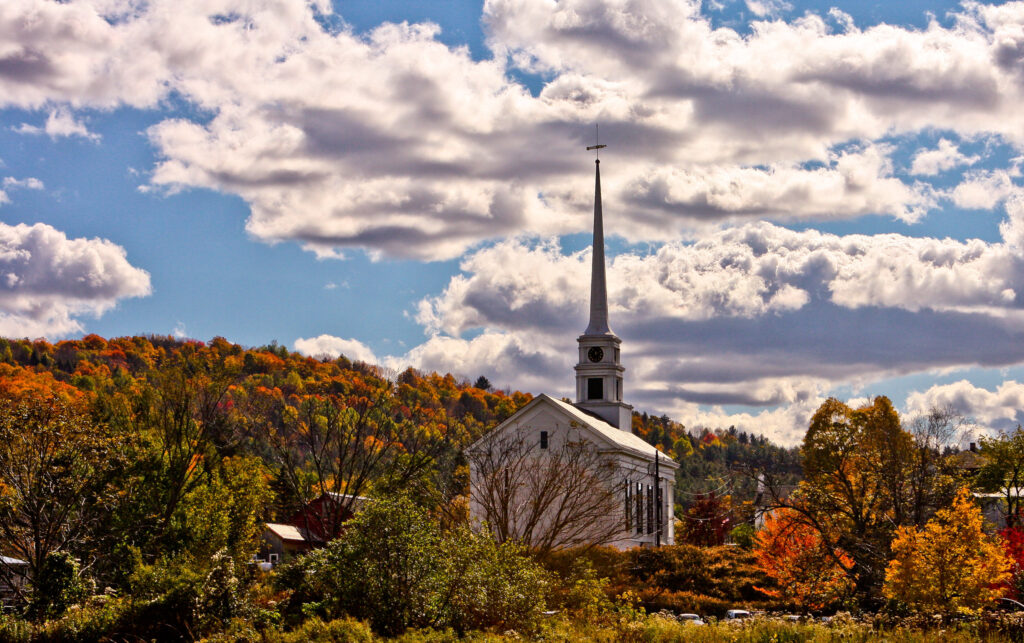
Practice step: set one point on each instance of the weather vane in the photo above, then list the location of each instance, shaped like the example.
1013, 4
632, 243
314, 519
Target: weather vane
597, 144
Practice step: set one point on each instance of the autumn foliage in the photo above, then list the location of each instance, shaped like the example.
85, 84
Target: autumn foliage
951, 566
805, 570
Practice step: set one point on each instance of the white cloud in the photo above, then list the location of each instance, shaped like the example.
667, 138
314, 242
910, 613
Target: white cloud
335, 346
998, 410
60, 123
179, 330
755, 315
9, 183
28, 183
983, 189
395, 143
944, 157
48, 280
766, 8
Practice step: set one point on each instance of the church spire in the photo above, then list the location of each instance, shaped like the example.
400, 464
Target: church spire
598, 372
598, 290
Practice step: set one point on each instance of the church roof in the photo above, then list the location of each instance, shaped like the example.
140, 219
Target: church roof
621, 440
627, 440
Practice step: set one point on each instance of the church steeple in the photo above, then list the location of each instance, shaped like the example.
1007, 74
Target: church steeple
598, 290
598, 372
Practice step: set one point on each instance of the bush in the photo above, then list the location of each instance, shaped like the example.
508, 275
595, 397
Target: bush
394, 568
58, 585
492, 585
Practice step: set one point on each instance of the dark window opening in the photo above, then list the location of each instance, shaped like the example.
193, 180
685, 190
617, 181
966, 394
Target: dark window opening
543, 439
659, 517
618, 390
639, 508
650, 510
629, 505
595, 388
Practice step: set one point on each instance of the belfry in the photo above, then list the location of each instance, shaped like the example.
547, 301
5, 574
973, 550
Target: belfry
599, 371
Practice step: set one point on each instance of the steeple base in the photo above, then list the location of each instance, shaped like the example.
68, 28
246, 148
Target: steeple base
618, 414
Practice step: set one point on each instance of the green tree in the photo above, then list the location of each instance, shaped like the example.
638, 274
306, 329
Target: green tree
58, 585
394, 567
56, 470
1003, 472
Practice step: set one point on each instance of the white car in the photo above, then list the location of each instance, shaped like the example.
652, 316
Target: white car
693, 619
736, 615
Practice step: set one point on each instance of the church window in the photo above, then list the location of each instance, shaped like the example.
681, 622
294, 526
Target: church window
650, 510
595, 388
618, 390
659, 517
629, 505
543, 439
639, 508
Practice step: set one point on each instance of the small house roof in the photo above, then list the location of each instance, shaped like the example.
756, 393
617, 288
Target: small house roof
14, 562
286, 532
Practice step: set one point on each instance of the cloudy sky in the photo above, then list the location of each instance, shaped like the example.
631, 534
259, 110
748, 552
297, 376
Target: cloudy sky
803, 198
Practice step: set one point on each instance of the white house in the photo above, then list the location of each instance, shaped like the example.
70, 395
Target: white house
576, 468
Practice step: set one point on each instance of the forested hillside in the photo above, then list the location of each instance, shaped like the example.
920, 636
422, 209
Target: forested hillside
138, 475
446, 412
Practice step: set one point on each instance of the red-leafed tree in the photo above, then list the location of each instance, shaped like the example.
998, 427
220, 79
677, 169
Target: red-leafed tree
805, 569
708, 520
1013, 547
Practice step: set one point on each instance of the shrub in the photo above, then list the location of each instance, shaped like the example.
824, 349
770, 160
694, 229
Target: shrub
394, 568
58, 585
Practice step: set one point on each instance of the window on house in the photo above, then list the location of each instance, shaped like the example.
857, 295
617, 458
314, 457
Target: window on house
543, 439
639, 508
272, 558
659, 518
650, 510
595, 388
629, 505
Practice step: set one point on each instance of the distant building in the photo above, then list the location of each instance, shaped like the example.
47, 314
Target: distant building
309, 528
640, 476
12, 578
324, 517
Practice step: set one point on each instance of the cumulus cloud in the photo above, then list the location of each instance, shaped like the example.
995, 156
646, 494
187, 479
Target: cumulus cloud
756, 315
397, 144
944, 157
60, 123
9, 183
47, 281
998, 411
335, 346
765, 8
983, 189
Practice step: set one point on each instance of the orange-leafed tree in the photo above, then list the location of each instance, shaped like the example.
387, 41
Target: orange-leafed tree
806, 571
951, 565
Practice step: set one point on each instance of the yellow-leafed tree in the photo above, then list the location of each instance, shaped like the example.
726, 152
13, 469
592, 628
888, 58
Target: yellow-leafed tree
951, 565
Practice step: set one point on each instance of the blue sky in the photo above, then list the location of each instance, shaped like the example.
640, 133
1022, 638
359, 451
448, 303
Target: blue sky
803, 198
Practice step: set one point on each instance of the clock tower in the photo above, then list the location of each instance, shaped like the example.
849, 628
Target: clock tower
598, 372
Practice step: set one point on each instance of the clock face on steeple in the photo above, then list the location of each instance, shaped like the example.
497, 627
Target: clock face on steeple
595, 354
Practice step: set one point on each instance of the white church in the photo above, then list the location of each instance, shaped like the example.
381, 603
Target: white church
557, 475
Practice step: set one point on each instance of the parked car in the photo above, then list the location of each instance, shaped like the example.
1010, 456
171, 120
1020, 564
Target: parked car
693, 619
736, 615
